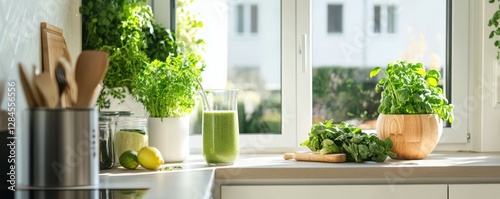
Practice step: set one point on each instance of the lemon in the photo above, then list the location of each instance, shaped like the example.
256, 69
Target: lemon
128, 159
150, 157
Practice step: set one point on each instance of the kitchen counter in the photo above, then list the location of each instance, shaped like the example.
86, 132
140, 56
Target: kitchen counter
197, 180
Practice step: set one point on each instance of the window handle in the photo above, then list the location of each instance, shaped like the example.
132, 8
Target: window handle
304, 53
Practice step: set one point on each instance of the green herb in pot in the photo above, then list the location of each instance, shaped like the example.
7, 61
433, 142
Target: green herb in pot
408, 89
169, 88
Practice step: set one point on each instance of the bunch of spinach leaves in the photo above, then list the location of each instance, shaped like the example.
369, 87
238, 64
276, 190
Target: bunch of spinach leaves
327, 138
408, 89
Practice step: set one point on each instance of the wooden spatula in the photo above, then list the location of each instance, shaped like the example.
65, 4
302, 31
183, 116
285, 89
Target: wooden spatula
89, 72
48, 89
314, 157
28, 93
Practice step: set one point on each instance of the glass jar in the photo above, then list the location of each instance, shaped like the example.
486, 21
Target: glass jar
113, 115
106, 155
130, 134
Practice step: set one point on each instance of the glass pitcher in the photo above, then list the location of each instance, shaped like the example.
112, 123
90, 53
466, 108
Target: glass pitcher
220, 129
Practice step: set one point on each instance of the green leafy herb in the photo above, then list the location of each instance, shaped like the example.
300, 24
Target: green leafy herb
128, 32
327, 138
169, 89
408, 89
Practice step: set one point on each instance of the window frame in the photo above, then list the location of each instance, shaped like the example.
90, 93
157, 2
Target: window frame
456, 137
296, 82
296, 70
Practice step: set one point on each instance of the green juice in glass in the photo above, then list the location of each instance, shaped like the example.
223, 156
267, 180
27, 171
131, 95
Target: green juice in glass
220, 137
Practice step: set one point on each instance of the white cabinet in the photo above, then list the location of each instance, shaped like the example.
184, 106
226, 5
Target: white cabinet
438, 191
473, 191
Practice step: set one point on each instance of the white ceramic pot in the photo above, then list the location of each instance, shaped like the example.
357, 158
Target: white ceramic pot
170, 136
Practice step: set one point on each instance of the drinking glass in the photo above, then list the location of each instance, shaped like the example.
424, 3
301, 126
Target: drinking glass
220, 127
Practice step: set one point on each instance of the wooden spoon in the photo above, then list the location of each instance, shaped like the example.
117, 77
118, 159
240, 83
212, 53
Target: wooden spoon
90, 69
48, 89
28, 93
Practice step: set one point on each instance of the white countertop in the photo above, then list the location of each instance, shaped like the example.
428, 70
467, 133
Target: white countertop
197, 180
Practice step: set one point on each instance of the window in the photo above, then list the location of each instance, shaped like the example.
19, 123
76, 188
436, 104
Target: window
384, 18
281, 62
334, 20
240, 12
342, 89
247, 18
254, 18
376, 19
391, 19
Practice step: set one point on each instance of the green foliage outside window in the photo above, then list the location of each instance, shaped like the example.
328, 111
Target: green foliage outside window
343, 93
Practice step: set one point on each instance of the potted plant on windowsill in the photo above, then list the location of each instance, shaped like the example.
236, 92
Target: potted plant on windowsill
412, 108
168, 91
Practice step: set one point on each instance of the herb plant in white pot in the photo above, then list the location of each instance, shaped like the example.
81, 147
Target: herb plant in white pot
412, 108
168, 91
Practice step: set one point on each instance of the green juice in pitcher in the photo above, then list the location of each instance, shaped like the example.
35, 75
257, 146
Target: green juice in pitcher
220, 137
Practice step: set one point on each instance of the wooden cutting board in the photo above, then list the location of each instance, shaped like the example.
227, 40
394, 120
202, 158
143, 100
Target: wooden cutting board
314, 157
53, 47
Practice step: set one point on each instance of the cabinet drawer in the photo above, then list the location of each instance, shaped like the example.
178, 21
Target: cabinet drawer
468, 191
335, 191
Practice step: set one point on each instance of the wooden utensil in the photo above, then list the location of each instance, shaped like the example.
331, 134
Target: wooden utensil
314, 157
89, 72
36, 94
48, 90
27, 88
69, 74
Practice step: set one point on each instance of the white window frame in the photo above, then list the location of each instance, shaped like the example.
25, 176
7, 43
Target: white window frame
295, 87
297, 83
456, 136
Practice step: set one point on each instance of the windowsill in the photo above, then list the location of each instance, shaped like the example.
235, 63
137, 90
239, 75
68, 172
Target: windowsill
197, 180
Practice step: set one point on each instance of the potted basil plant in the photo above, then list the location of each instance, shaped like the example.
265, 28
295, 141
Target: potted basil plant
412, 108
168, 90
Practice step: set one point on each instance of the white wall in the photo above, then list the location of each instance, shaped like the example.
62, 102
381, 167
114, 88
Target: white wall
20, 36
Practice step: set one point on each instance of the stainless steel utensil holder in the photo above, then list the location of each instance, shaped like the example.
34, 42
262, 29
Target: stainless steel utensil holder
63, 147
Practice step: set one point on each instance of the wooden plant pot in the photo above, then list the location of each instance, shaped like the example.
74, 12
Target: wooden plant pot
413, 136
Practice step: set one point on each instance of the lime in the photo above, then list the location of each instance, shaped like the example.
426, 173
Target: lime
150, 157
128, 159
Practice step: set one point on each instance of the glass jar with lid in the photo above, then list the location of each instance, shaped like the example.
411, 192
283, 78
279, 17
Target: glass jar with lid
130, 134
106, 153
